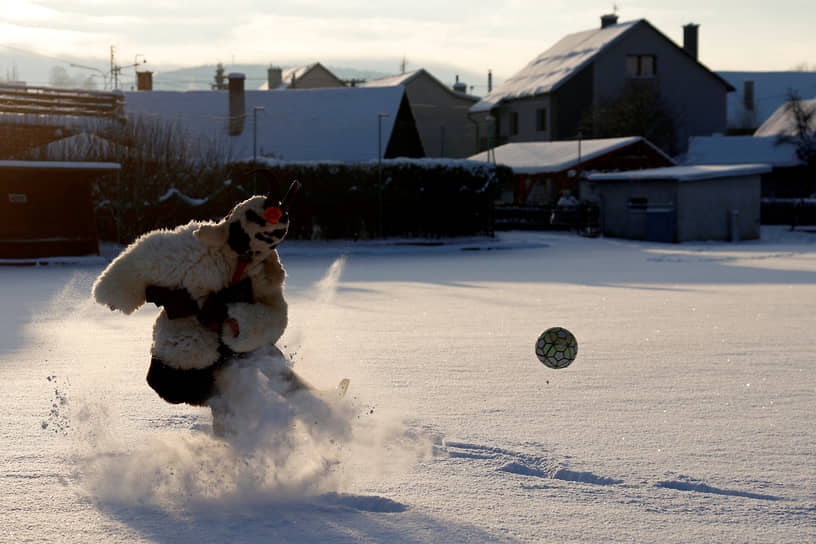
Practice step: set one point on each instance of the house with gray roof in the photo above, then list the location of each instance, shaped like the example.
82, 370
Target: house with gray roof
308, 76
776, 143
336, 124
760, 94
548, 99
782, 122
440, 112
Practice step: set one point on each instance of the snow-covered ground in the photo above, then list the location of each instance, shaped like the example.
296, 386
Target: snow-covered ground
688, 415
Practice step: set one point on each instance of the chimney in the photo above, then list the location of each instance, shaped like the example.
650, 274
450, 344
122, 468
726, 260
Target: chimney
237, 103
489, 80
690, 39
274, 77
459, 87
144, 81
608, 20
748, 95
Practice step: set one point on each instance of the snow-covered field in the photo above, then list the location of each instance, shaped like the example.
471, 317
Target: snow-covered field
687, 417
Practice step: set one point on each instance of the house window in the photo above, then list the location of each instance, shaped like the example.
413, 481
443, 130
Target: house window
641, 66
638, 203
514, 123
541, 119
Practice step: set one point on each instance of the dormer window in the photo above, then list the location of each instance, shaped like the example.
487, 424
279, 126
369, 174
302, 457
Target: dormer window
641, 66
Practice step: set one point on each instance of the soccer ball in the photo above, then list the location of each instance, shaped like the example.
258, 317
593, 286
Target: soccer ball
556, 348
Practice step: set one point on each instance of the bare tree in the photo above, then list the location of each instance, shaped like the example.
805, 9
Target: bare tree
804, 136
59, 77
638, 111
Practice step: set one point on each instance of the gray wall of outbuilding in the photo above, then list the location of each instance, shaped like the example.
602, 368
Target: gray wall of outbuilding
697, 210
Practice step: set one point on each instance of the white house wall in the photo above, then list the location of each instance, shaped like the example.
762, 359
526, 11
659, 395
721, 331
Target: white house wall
527, 110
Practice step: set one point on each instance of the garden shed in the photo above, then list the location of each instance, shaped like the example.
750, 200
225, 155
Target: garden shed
47, 208
679, 203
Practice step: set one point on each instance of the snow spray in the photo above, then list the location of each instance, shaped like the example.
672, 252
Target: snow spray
276, 449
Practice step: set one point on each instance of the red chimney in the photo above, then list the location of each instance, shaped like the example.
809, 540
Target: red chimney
144, 81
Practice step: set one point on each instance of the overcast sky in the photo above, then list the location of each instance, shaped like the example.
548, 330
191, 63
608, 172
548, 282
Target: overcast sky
749, 35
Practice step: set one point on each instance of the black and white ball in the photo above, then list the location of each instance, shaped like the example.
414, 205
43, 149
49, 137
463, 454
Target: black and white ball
556, 347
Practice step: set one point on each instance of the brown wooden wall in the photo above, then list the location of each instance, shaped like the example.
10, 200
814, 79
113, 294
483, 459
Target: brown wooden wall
47, 212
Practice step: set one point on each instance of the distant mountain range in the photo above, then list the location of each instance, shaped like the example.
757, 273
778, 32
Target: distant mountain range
36, 69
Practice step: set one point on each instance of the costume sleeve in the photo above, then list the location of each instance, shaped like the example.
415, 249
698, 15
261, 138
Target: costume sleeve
258, 325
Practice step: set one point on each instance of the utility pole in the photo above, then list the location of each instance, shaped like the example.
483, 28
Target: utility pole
116, 69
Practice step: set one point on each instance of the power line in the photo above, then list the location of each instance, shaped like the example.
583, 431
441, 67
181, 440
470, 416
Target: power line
36, 54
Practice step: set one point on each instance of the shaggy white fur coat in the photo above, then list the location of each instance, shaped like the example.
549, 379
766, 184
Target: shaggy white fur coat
202, 258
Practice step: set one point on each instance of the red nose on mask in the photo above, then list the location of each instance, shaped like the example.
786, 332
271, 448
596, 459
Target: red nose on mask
273, 214
273, 211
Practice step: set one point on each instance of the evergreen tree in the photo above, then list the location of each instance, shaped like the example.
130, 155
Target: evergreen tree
220, 81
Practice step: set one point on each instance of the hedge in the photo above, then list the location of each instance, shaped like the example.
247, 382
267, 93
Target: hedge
397, 197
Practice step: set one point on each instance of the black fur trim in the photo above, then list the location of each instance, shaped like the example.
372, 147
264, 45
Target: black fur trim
255, 218
214, 311
238, 238
177, 302
273, 238
194, 386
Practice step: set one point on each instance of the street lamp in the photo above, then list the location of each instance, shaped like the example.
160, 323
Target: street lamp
379, 172
255, 111
491, 128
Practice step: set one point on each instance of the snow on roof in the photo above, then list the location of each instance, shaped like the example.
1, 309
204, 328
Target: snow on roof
554, 66
543, 157
684, 173
390, 81
286, 76
404, 79
61, 165
770, 91
295, 73
782, 121
334, 124
740, 150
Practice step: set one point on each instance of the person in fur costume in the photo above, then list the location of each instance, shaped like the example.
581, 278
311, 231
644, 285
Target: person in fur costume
220, 287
